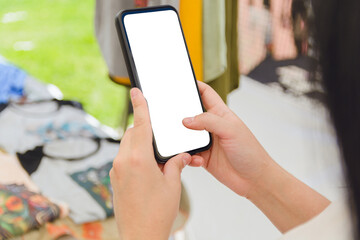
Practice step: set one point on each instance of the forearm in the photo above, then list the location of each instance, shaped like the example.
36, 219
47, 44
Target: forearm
285, 200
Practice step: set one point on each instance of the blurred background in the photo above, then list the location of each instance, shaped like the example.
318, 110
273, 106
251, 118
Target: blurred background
257, 54
54, 41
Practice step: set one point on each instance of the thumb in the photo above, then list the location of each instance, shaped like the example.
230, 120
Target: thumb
141, 112
209, 122
175, 165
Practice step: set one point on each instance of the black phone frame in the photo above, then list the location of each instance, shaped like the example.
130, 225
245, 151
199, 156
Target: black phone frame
131, 68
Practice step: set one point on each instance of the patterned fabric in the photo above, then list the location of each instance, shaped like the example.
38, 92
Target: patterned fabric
22, 210
96, 181
98, 230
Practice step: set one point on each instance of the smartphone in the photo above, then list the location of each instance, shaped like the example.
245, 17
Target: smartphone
159, 64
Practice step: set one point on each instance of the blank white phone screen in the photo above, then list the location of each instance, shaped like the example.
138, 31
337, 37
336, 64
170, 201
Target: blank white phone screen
166, 79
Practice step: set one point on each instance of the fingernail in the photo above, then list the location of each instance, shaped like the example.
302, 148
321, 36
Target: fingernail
188, 120
186, 159
134, 92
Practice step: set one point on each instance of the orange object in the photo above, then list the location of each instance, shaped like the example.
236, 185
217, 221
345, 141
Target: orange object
92, 230
191, 20
120, 80
57, 231
14, 203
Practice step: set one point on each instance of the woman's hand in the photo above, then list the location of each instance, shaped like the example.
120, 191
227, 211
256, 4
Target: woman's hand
236, 158
146, 197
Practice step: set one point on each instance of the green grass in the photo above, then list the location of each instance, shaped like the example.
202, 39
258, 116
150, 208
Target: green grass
65, 54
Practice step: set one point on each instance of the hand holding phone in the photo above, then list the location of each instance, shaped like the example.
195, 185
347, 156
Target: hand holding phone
158, 63
146, 197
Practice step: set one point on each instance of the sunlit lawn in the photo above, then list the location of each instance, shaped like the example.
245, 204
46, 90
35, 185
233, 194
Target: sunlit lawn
64, 53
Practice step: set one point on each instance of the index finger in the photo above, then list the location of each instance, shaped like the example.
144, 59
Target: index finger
211, 100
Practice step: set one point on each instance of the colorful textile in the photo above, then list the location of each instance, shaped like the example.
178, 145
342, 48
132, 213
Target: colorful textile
99, 230
96, 181
24, 126
22, 210
87, 178
55, 139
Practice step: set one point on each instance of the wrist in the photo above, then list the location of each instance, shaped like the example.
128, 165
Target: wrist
142, 232
266, 181
285, 200
137, 236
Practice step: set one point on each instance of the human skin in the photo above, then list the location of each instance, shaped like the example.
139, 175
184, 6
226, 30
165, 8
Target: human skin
146, 196
239, 161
